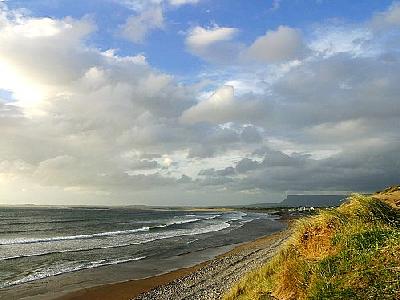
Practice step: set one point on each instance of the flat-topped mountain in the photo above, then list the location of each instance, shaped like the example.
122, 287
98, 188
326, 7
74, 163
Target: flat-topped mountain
313, 200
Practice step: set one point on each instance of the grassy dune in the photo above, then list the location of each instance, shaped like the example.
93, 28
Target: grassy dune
351, 252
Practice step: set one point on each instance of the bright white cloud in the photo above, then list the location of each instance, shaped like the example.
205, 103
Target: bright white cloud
89, 103
32, 80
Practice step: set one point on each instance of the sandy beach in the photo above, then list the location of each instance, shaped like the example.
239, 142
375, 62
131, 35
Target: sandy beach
207, 280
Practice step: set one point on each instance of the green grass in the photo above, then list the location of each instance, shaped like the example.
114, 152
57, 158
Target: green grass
352, 252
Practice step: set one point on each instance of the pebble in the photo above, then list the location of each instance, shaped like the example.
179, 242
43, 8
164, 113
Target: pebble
211, 281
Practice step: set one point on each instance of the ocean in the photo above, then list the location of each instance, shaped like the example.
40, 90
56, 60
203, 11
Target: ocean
39, 243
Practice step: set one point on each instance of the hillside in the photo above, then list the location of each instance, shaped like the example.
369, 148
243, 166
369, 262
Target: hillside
304, 200
350, 252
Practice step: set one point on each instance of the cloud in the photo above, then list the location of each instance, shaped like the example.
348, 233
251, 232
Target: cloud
276, 4
85, 125
137, 27
183, 2
250, 134
280, 45
145, 165
362, 169
390, 17
149, 16
141, 5
213, 44
344, 171
218, 45
91, 109
223, 107
203, 37
216, 173
246, 164
30, 80
333, 40
341, 102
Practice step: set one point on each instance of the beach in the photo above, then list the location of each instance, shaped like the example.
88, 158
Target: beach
207, 280
48, 254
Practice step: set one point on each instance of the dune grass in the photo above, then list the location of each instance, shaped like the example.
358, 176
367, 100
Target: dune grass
351, 252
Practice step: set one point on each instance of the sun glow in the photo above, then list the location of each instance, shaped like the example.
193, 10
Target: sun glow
27, 94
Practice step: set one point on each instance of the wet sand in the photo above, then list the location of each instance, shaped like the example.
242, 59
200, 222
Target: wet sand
129, 289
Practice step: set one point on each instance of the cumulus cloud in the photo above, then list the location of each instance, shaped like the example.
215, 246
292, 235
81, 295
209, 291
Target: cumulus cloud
223, 107
88, 104
246, 164
280, 45
137, 27
202, 37
58, 39
390, 17
219, 45
250, 134
149, 16
339, 102
213, 44
87, 125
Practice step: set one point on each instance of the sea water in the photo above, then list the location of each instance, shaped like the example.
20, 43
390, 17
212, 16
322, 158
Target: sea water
37, 243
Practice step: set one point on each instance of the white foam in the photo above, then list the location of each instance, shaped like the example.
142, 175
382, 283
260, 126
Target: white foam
88, 236
213, 217
69, 237
146, 237
183, 221
236, 216
67, 268
73, 266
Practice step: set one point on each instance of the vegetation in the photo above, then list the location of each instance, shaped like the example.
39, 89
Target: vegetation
350, 252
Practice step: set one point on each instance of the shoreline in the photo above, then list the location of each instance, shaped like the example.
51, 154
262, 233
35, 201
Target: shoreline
131, 289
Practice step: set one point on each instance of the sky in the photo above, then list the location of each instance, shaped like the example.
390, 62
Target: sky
197, 102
